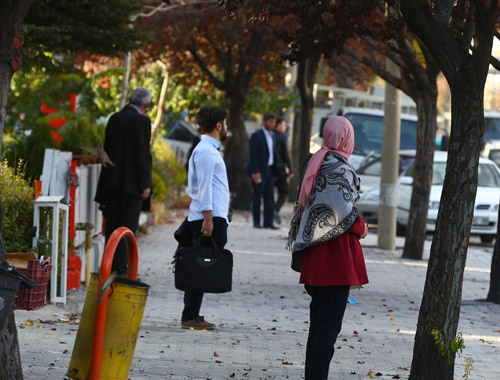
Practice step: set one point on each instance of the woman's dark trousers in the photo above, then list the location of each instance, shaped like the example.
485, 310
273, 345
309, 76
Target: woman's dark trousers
193, 300
326, 312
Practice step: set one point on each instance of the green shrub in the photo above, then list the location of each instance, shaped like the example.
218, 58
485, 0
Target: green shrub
169, 176
17, 197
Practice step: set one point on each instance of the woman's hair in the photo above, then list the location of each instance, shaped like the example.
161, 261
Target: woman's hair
208, 116
140, 97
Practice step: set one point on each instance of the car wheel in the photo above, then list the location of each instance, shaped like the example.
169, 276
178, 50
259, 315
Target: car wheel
400, 230
487, 238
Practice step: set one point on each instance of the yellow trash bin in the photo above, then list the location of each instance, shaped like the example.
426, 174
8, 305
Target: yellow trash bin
125, 309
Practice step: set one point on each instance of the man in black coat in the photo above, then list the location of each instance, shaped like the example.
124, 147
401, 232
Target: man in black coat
261, 170
126, 181
282, 167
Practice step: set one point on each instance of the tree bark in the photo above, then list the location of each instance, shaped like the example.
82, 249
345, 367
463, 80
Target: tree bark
161, 99
419, 205
494, 291
441, 300
306, 76
236, 151
11, 17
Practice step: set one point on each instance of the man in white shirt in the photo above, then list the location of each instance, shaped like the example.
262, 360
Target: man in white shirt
208, 188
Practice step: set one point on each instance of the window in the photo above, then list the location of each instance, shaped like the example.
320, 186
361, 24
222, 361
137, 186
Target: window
369, 132
488, 176
180, 133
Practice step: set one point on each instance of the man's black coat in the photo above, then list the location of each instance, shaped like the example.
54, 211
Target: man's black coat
127, 144
282, 161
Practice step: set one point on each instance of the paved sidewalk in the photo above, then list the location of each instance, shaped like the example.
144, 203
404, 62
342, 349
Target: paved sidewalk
262, 324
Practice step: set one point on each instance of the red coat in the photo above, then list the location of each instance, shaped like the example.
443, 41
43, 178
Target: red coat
336, 262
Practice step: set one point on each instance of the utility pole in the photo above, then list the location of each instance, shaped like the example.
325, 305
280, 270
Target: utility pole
390, 164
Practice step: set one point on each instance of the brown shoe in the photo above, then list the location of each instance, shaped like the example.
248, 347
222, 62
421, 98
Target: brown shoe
198, 323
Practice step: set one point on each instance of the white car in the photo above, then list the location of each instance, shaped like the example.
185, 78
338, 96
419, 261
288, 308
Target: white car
368, 133
369, 175
485, 219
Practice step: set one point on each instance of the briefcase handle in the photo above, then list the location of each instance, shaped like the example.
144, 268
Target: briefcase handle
199, 239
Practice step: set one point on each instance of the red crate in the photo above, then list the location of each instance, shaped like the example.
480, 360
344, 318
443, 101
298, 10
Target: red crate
34, 298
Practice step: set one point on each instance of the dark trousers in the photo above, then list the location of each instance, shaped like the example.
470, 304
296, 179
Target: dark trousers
327, 308
193, 300
282, 186
265, 190
122, 210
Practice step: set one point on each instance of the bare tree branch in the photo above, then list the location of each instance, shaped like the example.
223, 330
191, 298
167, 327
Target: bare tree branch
216, 81
375, 66
387, 52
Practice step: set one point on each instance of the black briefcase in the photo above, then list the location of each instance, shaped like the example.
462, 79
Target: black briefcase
207, 269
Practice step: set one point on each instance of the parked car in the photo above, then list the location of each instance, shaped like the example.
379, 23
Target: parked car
485, 219
181, 137
368, 133
369, 174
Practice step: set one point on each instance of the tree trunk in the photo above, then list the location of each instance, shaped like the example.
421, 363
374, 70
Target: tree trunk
236, 152
494, 292
306, 76
161, 100
11, 17
440, 308
422, 179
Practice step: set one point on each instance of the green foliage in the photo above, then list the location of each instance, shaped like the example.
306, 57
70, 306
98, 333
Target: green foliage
468, 367
79, 132
456, 347
168, 174
27, 133
58, 27
260, 101
17, 198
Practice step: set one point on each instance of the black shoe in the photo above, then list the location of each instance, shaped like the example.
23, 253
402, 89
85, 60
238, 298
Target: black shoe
256, 226
277, 218
272, 227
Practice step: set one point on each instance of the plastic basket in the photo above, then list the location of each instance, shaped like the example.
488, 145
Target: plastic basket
34, 298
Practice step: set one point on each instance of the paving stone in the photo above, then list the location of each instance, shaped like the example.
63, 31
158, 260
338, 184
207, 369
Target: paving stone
262, 324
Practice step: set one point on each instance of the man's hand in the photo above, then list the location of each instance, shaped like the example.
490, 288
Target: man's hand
145, 193
256, 177
207, 227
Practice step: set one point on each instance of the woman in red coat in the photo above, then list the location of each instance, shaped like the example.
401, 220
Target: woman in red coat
324, 239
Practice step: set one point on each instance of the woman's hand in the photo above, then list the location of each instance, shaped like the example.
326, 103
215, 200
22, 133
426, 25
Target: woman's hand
365, 232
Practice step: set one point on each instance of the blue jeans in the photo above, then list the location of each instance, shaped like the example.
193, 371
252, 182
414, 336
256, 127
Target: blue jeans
327, 309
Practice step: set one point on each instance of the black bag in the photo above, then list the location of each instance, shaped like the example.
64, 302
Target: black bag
203, 269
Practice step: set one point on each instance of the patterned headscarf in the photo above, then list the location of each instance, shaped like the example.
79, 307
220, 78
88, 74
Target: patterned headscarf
338, 135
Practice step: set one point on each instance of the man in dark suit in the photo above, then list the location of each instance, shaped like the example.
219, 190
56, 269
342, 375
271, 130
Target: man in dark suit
126, 182
261, 169
282, 167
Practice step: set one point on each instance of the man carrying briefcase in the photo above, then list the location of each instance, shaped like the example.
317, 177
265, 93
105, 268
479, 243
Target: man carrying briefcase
208, 188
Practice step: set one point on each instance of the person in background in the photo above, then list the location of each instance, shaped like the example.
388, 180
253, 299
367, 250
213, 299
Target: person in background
126, 181
282, 167
209, 190
261, 170
324, 240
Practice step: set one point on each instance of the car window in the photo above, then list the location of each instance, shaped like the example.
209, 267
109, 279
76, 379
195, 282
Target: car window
368, 133
409, 170
373, 168
491, 129
488, 176
180, 133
